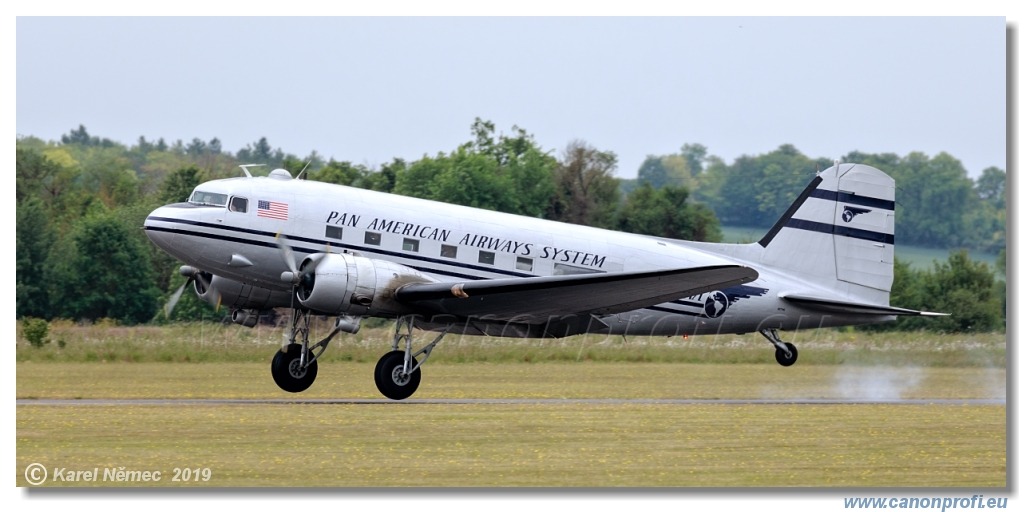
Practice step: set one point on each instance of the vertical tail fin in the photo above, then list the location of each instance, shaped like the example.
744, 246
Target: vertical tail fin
840, 232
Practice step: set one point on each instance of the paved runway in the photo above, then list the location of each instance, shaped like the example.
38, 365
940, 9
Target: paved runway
501, 401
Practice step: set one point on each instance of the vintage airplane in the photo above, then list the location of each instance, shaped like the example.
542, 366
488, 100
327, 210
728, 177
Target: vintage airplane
828, 261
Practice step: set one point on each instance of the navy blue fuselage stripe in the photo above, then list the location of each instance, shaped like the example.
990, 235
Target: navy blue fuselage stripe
846, 197
360, 248
821, 227
431, 270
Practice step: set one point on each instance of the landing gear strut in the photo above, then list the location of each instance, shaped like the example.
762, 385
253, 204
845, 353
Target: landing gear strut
785, 353
397, 374
294, 366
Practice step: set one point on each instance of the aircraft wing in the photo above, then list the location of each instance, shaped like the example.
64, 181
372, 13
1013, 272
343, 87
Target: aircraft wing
536, 299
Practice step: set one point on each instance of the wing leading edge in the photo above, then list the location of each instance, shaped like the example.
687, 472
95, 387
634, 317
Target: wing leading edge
537, 299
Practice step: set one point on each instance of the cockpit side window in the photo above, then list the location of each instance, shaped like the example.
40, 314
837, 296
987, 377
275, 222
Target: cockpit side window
208, 198
238, 204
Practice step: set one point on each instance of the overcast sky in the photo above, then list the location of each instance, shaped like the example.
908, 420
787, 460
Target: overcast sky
367, 90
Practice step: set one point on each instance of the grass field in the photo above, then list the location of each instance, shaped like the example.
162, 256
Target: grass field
527, 445
214, 342
520, 444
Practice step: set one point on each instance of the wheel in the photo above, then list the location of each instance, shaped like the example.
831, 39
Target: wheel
287, 373
782, 358
391, 381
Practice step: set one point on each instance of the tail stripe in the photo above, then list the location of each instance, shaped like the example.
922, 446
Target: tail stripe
781, 223
846, 197
831, 229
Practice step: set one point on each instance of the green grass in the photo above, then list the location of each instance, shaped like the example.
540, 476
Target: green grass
213, 342
568, 380
520, 444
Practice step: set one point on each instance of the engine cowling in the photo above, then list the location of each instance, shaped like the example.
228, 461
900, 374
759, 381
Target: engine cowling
235, 295
346, 284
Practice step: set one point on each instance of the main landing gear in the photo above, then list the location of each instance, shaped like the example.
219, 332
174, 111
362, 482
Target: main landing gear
294, 366
785, 353
397, 374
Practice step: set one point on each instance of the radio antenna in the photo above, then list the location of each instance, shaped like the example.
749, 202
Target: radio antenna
245, 169
303, 171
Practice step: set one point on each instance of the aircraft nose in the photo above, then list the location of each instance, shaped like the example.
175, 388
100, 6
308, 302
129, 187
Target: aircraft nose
158, 226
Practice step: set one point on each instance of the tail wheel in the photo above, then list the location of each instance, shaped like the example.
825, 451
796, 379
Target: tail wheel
392, 380
786, 359
288, 371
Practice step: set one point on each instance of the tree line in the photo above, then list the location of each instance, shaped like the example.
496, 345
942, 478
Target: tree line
81, 201
937, 203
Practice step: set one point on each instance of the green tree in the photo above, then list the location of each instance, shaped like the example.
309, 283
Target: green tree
339, 173
504, 173
756, 190
665, 212
32, 172
991, 187
653, 172
33, 239
384, 179
695, 156
35, 330
179, 185
964, 288
932, 197
586, 190
106, 273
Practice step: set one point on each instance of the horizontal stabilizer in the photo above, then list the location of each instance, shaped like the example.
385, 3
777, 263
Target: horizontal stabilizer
851, 308
536, 299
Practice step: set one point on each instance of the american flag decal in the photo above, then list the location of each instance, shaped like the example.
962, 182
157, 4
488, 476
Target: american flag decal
272, 210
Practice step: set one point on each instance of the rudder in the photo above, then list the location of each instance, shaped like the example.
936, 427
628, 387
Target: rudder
840, 232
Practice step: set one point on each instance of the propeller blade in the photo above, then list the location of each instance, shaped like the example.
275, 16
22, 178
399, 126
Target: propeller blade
286, 253
175, 297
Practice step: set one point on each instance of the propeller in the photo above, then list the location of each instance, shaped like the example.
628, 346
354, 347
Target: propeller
173, 301
192, 274
294, 275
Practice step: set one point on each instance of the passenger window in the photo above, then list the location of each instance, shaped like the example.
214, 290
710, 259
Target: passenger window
524, 263
486, 257
239, 204
333, 232
411, 244
449, 251
372, 238
561, 269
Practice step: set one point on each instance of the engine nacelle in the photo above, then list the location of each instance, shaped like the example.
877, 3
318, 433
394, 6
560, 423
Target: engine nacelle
345, 284
235, 295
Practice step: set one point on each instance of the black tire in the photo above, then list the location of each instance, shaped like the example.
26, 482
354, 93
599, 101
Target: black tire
286, 371
782, 358
389, 380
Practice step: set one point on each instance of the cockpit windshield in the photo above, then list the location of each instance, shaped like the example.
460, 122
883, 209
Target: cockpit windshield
208, 198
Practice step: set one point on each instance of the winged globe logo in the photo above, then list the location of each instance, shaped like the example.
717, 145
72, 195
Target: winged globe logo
849, 212
715, 304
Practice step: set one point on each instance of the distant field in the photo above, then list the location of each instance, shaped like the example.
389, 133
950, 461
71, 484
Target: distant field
205, 342
921, 258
